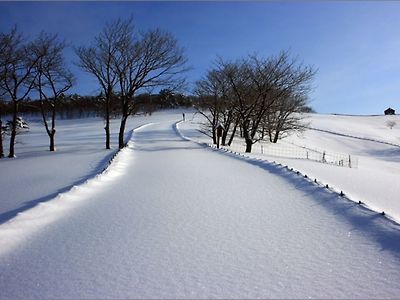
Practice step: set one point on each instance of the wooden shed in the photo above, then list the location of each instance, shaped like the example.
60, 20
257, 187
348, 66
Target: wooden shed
389, 111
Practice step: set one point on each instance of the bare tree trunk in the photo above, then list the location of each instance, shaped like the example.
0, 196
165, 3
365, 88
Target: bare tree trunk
223, 138
233, 134
249, 144
50, 132
1, 140
227, 125
107, 127
13, 129
214, 136
276, 137
53, 129
121, 142
52, 143
263, 132
247, 138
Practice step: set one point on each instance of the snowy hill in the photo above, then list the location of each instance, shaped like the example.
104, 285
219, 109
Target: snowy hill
367, 139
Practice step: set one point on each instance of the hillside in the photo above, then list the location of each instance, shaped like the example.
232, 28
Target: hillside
374, 149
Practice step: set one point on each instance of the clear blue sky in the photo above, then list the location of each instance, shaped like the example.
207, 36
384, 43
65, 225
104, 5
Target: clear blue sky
354, 45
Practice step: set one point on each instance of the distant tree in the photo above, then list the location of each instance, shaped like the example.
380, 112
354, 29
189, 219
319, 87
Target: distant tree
166, 98
17, 73
307, 109
143, 61
53, 79
391, 123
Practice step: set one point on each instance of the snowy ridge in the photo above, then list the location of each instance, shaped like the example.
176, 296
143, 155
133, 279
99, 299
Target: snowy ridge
354, 137
43, 214
264, 163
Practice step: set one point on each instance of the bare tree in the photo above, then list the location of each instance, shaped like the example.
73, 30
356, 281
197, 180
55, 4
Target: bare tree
125, 62
17, 73
259, 95
98, 60
145, 60
391, 123
270, 80
52, 81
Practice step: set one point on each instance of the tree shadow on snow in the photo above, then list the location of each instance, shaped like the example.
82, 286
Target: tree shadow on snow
392, 154
97, 169
4, 217
371, 224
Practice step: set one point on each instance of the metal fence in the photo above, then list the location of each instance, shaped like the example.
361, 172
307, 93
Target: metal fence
290, 150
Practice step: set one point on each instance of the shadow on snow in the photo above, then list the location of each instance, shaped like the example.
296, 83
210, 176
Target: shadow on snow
372, 224
100, 167
4, 217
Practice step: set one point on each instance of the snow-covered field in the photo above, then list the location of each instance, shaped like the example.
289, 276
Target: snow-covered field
37, 175
374, 180
171, 218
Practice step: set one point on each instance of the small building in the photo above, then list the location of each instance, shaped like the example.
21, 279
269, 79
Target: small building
389, 111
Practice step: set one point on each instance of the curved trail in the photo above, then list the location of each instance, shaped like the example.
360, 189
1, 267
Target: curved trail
182, 221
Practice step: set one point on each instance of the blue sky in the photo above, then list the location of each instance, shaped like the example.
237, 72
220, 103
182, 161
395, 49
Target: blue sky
355, 45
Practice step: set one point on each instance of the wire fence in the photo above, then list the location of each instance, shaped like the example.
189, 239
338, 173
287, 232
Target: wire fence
290, 150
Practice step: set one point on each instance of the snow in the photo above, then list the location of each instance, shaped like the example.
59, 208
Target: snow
368, 140
172, 218
38, 175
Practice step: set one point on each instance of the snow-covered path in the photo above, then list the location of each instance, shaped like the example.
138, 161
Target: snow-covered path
186, 221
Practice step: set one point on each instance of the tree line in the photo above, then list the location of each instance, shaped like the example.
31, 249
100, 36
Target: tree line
259, 97
79, 106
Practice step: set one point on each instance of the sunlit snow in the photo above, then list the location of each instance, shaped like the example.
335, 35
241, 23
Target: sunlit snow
173, 218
